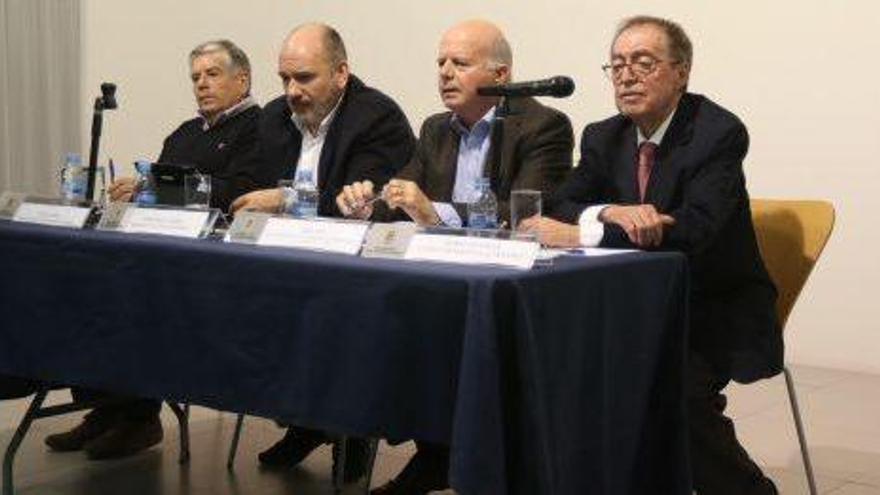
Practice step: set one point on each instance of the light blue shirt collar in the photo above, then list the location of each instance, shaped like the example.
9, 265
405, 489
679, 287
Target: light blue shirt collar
473, 150
480, 128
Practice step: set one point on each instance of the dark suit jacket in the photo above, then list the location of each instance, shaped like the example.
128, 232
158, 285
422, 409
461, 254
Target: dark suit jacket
697, 179
227, 151
536, 154
369, 139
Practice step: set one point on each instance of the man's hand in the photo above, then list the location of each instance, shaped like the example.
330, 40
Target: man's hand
407, 195
552, 233
265, 200
356, 200
642, 223
121, 189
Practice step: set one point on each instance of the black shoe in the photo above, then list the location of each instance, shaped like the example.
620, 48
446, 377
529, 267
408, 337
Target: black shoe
357, 453
427, 471
15, 388
93, 425
125, 438
295, 446
771, 487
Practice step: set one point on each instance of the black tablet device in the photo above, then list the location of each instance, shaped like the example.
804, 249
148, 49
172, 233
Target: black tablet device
168, 178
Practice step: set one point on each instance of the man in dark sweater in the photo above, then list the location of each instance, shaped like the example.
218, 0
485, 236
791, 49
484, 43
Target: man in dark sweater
331, 125
222, 142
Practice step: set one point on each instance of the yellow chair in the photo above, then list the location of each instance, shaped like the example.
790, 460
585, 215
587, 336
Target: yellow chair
791, 236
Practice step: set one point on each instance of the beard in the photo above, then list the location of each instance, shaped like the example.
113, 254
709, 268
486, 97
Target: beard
314, 113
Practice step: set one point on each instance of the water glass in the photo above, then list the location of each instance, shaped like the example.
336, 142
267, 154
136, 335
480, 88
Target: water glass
524, 203
197, 190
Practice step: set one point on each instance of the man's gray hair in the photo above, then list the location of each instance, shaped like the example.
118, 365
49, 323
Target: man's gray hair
680, 47
500, 52
336, 53
238, 59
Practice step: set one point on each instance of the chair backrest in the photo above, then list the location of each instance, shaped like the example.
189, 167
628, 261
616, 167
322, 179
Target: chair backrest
791, 235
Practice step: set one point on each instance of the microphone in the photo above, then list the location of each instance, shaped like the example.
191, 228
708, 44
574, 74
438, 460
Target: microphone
557, 87
108, 96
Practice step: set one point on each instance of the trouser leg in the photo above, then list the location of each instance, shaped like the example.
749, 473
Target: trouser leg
128, 408
719, 464
13, 387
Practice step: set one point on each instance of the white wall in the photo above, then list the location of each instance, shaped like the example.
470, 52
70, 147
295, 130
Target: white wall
801, 74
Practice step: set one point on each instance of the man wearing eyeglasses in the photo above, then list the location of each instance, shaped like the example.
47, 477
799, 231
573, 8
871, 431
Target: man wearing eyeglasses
666, 173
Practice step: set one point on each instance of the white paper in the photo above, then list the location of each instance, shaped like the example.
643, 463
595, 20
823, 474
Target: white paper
550, 253
180, 223
594, 251
472, 250
316, 235
57, 215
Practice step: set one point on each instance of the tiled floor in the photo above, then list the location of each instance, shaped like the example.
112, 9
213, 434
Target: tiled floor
841, 411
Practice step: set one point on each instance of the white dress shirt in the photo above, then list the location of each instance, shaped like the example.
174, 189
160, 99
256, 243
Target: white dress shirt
313, 144
591, 228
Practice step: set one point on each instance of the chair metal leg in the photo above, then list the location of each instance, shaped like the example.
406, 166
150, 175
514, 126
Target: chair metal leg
371, 462
183, 419
233, 448
799, 426
18, 437
340, 446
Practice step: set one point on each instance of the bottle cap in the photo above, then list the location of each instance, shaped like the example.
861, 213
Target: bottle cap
72, 159
142, 166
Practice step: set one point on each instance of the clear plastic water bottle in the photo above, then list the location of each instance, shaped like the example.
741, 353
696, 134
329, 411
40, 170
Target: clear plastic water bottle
483, 211
145, 185
305, 204
74, 179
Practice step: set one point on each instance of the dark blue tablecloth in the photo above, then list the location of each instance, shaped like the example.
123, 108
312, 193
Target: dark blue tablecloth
563, 379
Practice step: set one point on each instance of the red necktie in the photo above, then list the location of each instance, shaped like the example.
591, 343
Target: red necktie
646, 162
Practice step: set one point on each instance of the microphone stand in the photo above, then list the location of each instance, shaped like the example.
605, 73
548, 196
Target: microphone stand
107, 101
502, 110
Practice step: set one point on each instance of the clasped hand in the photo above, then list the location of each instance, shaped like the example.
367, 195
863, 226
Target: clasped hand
356, 200
643, 225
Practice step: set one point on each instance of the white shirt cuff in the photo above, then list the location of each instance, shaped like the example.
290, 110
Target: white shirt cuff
447, 214
592, 230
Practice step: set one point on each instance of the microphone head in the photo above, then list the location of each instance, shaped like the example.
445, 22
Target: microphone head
561, 86
556, 87
108, 95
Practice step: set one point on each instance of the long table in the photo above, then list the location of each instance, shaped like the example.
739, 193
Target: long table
562, 379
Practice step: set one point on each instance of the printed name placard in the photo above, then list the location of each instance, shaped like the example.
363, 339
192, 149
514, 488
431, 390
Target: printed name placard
57, 215
179, 223
388, 240
9, 203
316, 235
247, 227
473, 250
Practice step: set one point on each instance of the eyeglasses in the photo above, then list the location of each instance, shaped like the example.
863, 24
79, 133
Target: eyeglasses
641, 67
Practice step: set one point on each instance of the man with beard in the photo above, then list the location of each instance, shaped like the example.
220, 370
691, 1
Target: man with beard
330, 123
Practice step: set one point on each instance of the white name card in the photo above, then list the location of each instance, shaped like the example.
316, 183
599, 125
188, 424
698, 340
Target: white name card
180, 223
51, 214
473, 250
316, 235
